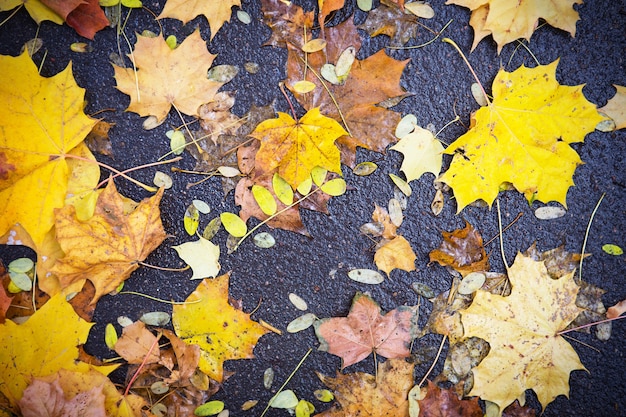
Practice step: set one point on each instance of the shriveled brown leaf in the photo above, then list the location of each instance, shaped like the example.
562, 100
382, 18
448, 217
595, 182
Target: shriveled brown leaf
98, 139
463, 250
137, 344
389, 19
445, 403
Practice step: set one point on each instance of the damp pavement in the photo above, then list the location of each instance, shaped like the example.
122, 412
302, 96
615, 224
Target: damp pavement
316, 267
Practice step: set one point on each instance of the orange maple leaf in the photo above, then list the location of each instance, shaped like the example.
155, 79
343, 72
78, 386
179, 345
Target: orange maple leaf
167, 77
216, 11
222, 331
365, 395
45, 124
365, 330
109, 246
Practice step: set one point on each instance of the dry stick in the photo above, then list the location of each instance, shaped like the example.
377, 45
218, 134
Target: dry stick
162, 268
519, 215
281, 85
451, 42
287, 381
329, 93
506, 264
121, 173
424, 44
520, 43
443, 341
582, 252
17, 9
159, 299
110, 168
145, 359
186, 127
132, 60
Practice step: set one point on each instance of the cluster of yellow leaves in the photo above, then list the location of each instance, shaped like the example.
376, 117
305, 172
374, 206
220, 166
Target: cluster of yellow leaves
509, 20
522, 137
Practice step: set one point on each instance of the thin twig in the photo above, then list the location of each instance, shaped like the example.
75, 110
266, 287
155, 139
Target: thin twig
424, 44
582, 252
519, 215
443, 341
501, 237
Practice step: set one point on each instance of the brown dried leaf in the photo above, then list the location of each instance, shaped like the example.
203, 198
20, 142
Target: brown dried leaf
463, 250
445, 403
138, 344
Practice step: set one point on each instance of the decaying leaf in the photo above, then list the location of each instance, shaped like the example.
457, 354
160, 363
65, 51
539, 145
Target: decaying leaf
361, 394
616, 107
463, 250
365, 331
445, 402
216, 11
616, 310
391, 20
526, 350
167, 77
36, 135
522, 138
130, 237
222, 331
507, 21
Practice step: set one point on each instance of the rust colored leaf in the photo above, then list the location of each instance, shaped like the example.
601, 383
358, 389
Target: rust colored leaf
463, 250
445, 403
361, 394
365, 330
129, 237
98, 139
516, 410
138, 344
87, 19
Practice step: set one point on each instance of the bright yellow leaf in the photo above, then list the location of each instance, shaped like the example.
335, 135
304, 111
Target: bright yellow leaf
522, 138
46, 122
216, 11
46, 343
526, 350
422, 153
36, 9
222, 331
168, 77
295, 148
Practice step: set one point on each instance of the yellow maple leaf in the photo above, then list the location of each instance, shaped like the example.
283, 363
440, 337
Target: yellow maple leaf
107, 247
45, 124
365, 395
422, 153
522, 138
508, 20
294, 148
35, 8
47, 342
216, 11
526, 350
397, 253
168, 77
616, 107
222, 331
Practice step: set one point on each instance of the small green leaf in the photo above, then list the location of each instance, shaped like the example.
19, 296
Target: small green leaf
155, 318
132, 4
191, 220
284, 399
21, 265
171, 41
228, 172
110, 336
364, 168
177, 141
233, 224
159, 387
344, 63
423, 290
366, 276
329, 74
304, 409
21, 281
264, 240
298, 302
471, 282
406, 125
212, 228
365, 5
301, 323
334, 187
201, 206
318, 174
401, 184
161, 179
268, 378
243, 17
612, 249
305, 186
282, 189
209, 409
324, 395
264, 199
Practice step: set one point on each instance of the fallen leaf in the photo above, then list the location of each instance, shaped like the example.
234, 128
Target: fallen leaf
98, 139
202, 256
39, 12
445, 403
616, 107
522, 138
87, 19
463, 250
167, 77
44, 398
422, 153
616, 310
130, 238
294, 148
526, 351
31, 350
137, 344
37, 137
364, 395
395, 254
5, 300
389, 19
507, 22
209, 321
516, 410
216, 11
366, 330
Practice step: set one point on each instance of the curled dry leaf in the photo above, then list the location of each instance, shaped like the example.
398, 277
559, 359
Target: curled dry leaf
445, 402
463, 250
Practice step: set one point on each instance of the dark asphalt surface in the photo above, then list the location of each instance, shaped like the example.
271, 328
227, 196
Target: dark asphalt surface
316, 268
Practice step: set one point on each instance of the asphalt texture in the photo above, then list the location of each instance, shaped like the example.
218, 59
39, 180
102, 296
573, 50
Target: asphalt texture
316, 267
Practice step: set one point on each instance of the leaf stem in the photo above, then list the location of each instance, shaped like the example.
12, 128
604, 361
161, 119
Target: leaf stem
17, 9
269, 403
121, 173
162, 268
562, 332
443, 341
582, 252
424, 44
186, 127
501, 231
160, 300
145, 359
281, 85
451, 42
